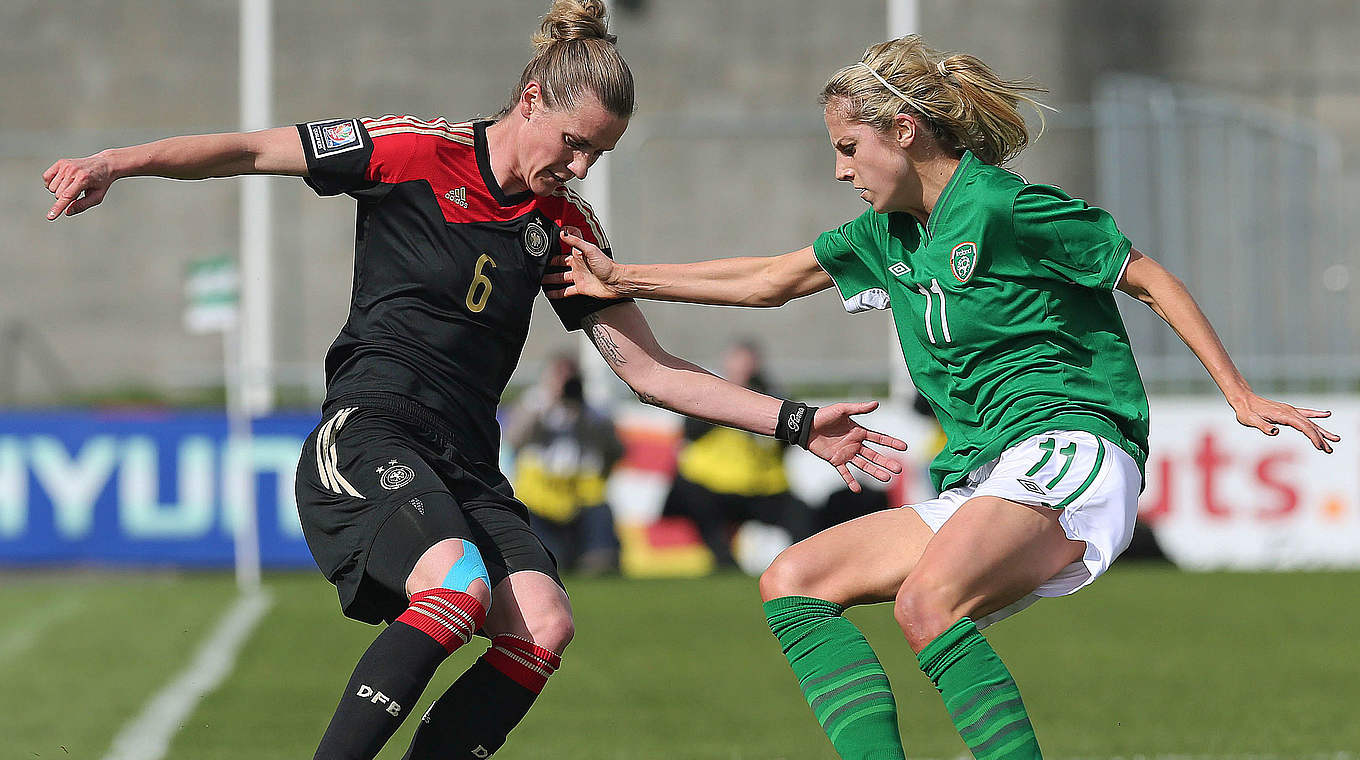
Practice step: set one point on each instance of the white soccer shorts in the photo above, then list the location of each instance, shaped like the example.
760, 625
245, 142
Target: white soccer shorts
1093, 481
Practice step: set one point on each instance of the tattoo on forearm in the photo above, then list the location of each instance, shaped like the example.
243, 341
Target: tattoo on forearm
648, 398
599, 335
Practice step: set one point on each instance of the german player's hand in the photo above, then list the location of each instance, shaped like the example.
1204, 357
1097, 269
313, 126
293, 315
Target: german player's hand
842, 442
78, 184
585, 271
1267, 415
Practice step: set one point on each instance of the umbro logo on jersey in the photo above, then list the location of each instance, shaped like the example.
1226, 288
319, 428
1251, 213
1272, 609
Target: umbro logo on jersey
963, 260
458, 195
899, 269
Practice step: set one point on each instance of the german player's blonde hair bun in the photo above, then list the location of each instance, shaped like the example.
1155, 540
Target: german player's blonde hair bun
573, 20
575, 54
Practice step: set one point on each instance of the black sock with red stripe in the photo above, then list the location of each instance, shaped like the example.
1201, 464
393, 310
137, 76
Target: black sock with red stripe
395, 670
478, 711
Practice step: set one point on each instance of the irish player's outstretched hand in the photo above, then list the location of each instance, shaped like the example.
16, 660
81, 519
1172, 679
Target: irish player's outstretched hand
1266, 415
842, 442
78, 184
590, 272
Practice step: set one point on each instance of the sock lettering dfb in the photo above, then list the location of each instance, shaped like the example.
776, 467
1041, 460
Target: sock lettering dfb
476, 714
980, 694
395, 669
841, 677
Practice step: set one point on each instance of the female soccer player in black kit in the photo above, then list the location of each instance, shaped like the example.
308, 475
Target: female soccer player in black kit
398, 490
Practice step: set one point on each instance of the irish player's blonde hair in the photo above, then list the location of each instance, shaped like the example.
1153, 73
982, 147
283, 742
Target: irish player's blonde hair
955, 96
575, 54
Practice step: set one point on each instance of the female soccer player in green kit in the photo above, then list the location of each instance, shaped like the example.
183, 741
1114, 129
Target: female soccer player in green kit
1002, 292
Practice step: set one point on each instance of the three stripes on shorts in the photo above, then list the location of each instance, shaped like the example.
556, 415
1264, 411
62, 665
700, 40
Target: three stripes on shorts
327, 455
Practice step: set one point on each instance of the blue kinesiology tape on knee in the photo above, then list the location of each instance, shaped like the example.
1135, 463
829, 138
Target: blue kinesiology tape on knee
467, 569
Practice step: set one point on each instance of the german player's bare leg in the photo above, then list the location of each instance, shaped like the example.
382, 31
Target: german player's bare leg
530, 625
449, 594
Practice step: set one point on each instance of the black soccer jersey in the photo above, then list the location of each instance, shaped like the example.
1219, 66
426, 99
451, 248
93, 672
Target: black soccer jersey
446, 268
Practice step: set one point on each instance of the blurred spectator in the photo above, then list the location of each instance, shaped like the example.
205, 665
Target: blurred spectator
564, 451
727, 477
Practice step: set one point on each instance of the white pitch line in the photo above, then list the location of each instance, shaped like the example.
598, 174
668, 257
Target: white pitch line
19, 636
148, 737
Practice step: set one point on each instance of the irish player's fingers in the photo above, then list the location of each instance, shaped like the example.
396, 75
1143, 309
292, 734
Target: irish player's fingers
557, 278
1314, 412
1310, 430
1317, 435
573, 240
560, 260
873, 436
849, 479
557, 293
573, 231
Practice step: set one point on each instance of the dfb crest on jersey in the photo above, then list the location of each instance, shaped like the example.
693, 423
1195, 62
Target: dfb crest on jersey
394, 475
963, 260
535, 238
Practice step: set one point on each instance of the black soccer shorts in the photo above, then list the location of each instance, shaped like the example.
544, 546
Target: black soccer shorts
375, 491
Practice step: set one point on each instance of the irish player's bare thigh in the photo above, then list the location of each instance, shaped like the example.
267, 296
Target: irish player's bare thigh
990, 553
861, 561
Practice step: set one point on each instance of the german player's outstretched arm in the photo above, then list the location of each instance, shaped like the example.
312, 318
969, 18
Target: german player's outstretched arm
1152, 284
79, 183
745, 281
622, 336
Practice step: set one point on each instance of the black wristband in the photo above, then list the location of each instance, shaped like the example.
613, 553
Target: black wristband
795, 423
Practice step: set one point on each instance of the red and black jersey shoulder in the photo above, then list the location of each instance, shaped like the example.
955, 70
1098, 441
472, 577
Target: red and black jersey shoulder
370, 157
447, 265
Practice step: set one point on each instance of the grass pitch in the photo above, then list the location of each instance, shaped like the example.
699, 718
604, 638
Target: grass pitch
1148, 662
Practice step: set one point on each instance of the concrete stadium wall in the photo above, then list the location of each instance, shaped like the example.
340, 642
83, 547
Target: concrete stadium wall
104, 292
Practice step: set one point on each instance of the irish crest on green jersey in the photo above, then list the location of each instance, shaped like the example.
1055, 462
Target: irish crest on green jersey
1005, 309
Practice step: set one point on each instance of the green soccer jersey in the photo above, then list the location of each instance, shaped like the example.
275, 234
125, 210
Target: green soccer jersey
1005, 309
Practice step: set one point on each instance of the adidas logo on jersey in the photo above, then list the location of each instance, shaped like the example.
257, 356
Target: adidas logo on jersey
458, 195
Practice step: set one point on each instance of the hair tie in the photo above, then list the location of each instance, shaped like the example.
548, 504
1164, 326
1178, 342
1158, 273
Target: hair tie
884, 82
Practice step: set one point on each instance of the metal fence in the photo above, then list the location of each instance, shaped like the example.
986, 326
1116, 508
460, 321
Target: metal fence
1247, 206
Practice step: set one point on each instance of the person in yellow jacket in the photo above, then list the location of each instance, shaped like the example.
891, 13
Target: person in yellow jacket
725, 476
564, 451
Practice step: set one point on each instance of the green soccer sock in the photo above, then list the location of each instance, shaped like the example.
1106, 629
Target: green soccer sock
840, 676
982, 698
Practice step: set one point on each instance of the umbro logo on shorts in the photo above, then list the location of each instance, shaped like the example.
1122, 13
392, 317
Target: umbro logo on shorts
1031, 486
